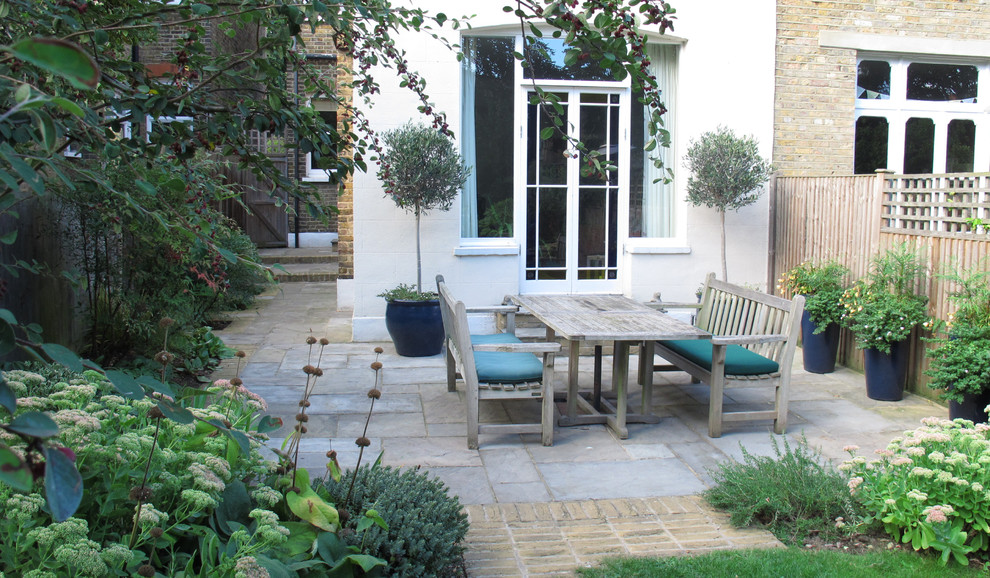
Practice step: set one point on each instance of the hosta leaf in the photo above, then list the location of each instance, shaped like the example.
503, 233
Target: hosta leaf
63, 484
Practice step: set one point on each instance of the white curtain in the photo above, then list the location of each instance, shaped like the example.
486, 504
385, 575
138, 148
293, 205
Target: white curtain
658, 198
469, 195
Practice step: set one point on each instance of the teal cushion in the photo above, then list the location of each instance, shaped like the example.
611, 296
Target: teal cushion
504, 366
738, 359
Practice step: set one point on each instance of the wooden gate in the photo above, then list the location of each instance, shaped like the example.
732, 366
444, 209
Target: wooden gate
260, 213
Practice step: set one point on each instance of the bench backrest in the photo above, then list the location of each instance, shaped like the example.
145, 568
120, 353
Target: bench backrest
728, 309
455, 326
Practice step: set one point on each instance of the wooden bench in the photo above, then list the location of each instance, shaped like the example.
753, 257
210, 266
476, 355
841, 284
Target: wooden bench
754, 337
496, 367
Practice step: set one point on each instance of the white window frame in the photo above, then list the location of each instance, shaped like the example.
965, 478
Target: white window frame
311, 174
897, 109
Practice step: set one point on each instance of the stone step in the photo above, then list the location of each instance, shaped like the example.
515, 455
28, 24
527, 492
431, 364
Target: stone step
306, 272
293, 256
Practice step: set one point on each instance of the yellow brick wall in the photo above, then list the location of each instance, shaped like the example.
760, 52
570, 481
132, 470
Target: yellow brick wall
814, 120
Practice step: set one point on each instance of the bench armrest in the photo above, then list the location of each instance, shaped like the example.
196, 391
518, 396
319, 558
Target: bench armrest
748, 339
493, 309
672, 305
542, 347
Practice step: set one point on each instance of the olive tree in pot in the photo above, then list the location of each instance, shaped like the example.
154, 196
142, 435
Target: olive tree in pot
727, 173
421, 170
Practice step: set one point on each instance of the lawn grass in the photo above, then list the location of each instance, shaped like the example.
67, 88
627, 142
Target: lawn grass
790, 562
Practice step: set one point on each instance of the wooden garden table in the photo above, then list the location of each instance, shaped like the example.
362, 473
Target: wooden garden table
605, 318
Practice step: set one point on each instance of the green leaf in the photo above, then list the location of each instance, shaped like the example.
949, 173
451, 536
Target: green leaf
147, 187
46, 126
301, 537
155, 385
546, 133
22, 93
269, 423
176, 412
230, 256
35, 424
9, 238
68, 106
126, 385
63, 356
23, 169
7, 398
63, 484
13, 471
235, 505
59, 57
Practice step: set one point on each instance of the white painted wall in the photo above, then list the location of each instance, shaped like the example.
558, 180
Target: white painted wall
726, 78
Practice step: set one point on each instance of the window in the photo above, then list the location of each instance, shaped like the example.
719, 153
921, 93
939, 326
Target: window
316, 165
918, 115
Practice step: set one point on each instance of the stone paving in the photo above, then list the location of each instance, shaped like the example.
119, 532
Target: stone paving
538, 510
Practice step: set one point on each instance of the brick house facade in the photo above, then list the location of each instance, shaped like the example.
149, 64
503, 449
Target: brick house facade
818, 44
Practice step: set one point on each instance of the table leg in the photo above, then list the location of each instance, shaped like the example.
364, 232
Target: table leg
598, 378
646, 376
620, 379
573, 361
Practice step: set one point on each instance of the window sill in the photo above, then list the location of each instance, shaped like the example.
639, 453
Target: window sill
315, 179
657, 250
487, 250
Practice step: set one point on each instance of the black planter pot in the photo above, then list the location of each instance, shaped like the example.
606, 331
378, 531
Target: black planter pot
971, 407
886, 372
819, 350
416, 327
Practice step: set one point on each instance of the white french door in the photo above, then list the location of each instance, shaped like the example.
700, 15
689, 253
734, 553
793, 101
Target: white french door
574, 220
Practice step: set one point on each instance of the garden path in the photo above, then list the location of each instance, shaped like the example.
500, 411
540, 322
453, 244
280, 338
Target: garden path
538, 510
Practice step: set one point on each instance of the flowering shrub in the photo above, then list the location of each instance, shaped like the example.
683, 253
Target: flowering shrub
822, 287
930, 488
121, 523
882, 308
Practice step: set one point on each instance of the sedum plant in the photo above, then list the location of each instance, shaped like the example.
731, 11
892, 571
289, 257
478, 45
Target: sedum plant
822, 285
930, 488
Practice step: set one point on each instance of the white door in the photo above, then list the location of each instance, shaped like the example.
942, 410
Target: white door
575, 220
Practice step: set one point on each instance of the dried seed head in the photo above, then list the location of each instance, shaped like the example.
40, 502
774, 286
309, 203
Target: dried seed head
302, 418
379, 350
146, 570
140, 494
240, 354
166, 322
332, 454
363, 442
301, 428
236, 382
155, 413
309, 369
376, 365
304, 403
375, 393
318, 372
164, 357
324, 341
156, 532
310, 340
226, 423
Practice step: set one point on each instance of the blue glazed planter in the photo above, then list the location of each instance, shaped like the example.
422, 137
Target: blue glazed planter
416, 327
819, 350
886, 372
971, 408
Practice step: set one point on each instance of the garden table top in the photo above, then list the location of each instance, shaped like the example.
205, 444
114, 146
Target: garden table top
606, 318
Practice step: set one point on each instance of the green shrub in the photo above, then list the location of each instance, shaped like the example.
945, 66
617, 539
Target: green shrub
793, 493
425, 523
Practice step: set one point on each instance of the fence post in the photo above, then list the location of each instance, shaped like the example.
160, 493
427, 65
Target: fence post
878, 215
772, 243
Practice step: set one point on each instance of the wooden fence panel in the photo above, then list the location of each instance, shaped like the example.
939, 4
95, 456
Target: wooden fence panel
852, 218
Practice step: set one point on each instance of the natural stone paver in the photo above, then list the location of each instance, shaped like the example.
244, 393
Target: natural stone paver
535, 510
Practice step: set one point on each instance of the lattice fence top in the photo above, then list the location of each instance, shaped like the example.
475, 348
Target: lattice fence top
952, 205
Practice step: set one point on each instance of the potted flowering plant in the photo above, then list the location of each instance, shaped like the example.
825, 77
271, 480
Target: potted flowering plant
822, 286
421, 170
960, 360
881, 310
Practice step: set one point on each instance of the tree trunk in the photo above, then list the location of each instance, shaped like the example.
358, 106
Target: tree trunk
721, 215
419, 256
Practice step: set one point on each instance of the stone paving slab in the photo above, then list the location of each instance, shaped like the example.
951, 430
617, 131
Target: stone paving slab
535, 510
